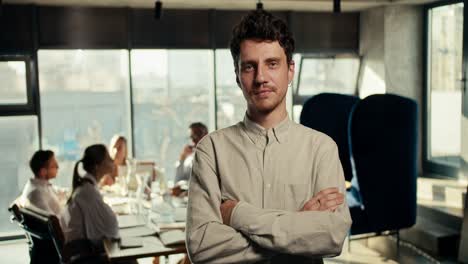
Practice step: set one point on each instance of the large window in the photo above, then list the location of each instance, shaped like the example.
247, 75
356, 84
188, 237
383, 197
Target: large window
84, 100
444, 86
18, 141
324, 74
337, 74
14, 88
231, 105
171, 90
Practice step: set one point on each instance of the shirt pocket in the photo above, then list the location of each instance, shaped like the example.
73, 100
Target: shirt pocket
295, 196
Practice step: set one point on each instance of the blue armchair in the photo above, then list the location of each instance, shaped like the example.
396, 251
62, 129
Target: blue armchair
330, 113
384, 137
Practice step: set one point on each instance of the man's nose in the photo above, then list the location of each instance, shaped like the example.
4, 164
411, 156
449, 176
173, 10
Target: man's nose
259, 76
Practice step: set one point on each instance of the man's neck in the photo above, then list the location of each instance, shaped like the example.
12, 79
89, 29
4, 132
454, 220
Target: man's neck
267, 120
42, 179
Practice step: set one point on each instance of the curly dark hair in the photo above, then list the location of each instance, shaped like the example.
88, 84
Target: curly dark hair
261, 25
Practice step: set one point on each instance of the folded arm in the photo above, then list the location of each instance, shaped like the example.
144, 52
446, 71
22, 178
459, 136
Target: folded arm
208, 239
307, 233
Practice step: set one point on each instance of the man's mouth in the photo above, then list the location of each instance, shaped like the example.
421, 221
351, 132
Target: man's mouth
263, 92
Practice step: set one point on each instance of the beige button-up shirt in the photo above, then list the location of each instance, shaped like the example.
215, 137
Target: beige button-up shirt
272, 173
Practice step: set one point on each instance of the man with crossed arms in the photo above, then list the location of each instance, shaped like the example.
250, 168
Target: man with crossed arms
266, 190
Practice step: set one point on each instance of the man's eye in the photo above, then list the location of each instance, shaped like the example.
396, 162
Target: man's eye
247, 68
273, 64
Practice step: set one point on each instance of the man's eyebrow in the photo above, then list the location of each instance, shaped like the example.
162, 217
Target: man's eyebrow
272, 59
247, 62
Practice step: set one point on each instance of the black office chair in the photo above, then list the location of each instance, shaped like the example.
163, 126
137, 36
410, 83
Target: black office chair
330, 113
38, 224
47, 242
384, 137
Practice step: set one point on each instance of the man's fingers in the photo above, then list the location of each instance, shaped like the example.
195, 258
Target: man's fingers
311, 205
331, 203
312, 200
327, 199
325, 193
328, 191
332, 196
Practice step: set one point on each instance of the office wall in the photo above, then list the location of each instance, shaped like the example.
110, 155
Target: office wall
391, 46
16, 28
464, 148
403, 51
372, 50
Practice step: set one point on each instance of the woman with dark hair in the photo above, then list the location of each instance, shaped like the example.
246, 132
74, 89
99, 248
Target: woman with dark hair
87, 216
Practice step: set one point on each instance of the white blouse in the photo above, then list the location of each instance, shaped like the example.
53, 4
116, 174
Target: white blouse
87, 216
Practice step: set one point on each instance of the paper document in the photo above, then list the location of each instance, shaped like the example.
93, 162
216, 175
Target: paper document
131, 242
130, 220
172, 237
180, 214
137, 231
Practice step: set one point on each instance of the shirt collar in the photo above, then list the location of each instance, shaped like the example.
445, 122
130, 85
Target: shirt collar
42, 182
256, 131
90, 177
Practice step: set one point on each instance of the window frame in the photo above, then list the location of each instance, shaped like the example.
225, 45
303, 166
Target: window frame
21, 109
432, 168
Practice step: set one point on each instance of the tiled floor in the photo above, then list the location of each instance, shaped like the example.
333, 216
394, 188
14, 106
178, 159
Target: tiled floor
16, 252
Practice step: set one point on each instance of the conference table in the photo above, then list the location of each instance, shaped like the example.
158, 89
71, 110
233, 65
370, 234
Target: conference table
143, 229
152, 247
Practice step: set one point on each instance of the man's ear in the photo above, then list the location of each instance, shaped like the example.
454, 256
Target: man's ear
237, 78
42, 173
291, 70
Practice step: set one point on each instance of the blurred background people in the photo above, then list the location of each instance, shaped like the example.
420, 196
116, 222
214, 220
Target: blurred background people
86, 215
184, 166
118, 151
38, 191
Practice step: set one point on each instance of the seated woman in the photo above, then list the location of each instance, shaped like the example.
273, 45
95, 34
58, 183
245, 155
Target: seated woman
86, 215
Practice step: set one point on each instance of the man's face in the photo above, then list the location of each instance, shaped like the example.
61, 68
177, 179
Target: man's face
264, 75
194, 136
52, 168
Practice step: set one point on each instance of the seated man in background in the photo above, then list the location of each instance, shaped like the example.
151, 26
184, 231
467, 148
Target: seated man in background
184, 166
38, 191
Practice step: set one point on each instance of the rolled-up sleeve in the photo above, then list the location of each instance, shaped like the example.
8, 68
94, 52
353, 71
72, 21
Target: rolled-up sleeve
310, 233
208, 239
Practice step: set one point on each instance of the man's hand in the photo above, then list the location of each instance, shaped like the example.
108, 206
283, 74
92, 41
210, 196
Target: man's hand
106, 180
226, 210
186, 152
326, 200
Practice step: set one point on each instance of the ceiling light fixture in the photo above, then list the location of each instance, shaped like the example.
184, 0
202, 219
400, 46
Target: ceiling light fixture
336, 6
158, 10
